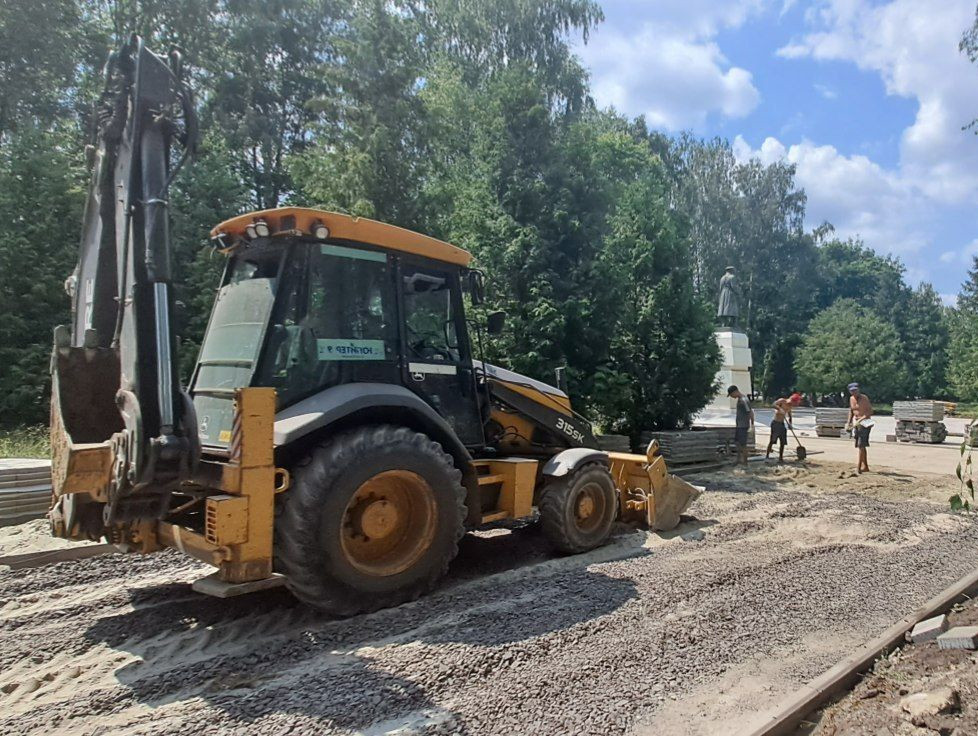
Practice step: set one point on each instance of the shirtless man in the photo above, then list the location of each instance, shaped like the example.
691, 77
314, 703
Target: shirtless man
860, 409
779, 432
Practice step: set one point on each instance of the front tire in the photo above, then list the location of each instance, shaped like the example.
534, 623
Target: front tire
577, 510
373, 519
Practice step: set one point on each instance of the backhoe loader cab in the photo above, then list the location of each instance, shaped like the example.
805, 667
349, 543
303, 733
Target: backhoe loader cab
339, 433
324, 300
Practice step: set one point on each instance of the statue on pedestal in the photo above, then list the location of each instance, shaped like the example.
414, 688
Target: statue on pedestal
728, 308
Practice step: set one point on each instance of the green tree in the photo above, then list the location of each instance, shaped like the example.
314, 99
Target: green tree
968, 296
204, 194
41, 198
750, 216
271, 70
962, 370
38, 47
924, 335
663, 357
371, 139
847, 342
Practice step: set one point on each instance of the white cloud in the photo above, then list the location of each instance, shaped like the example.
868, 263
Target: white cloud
858, 196
825, 91
962, 257
667, 67
913, 46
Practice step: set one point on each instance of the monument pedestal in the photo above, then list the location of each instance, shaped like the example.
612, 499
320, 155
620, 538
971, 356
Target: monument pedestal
734, 371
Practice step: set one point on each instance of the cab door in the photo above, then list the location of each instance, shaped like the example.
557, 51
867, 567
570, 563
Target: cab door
436, 358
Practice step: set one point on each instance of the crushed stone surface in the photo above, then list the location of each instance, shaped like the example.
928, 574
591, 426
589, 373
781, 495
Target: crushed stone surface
650, 634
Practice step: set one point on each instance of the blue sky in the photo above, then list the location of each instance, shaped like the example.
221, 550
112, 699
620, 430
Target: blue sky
867, 99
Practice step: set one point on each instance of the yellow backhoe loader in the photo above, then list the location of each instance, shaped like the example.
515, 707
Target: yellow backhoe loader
340, 433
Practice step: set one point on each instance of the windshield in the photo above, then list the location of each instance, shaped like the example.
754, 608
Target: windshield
234, 337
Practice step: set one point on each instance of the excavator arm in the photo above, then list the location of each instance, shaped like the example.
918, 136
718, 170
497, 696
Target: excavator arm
123, 430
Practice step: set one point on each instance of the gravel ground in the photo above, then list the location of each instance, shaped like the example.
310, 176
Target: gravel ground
651, 634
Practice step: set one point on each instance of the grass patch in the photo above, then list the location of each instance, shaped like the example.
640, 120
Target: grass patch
25, 442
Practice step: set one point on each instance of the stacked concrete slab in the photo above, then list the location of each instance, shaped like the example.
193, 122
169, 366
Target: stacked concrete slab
25, 490
682, 447
920, 421
830, 421
614, 443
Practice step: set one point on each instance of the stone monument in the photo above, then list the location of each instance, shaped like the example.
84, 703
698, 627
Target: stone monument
734, 352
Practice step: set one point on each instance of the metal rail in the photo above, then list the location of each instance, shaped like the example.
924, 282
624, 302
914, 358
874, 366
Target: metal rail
841, 677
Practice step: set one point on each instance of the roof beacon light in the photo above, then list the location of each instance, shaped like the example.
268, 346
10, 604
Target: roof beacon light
320, 231
262, 229
251, 231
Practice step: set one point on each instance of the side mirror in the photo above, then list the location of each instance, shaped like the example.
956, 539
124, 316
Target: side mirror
477, 288
495, 322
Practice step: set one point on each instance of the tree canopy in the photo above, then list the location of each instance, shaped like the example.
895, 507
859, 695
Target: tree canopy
470, 120
848, 342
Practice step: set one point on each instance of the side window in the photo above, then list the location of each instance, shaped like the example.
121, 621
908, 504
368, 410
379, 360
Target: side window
349, 311
428, 315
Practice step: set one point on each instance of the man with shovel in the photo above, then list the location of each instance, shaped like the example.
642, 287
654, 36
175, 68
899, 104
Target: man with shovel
861, 422
779, 432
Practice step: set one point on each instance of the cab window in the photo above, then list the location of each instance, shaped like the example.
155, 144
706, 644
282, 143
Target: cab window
429, 316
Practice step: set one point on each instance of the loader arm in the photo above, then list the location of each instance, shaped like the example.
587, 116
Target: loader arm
123, 431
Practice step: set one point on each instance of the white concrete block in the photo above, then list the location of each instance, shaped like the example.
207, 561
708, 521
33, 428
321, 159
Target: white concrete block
960, 637
929, 629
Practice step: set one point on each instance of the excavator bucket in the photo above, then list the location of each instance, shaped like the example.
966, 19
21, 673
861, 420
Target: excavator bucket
648, 495
84, 416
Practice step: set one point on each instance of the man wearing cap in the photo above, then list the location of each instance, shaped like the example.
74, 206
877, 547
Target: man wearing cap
745, 420
860, 413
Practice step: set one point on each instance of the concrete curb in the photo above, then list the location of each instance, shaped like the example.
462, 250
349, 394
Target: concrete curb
841, 677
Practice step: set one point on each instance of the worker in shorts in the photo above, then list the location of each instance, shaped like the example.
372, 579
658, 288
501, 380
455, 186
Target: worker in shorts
745, 420
860, 411
779, 430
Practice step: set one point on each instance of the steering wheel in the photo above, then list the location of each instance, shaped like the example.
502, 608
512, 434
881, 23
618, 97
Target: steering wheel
426, 352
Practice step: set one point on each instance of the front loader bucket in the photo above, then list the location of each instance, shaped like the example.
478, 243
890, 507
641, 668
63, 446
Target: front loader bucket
647, 493
84, 416
670, 502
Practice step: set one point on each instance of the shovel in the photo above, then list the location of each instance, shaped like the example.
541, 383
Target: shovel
800, 451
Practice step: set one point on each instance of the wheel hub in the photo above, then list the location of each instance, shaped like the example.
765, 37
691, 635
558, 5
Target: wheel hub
389, 523
585, 506
589, 508
379, 519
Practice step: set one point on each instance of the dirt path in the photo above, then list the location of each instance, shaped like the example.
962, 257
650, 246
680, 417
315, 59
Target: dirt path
652, 634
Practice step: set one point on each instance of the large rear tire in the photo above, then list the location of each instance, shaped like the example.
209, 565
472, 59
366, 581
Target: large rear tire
373, 519
577, 510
